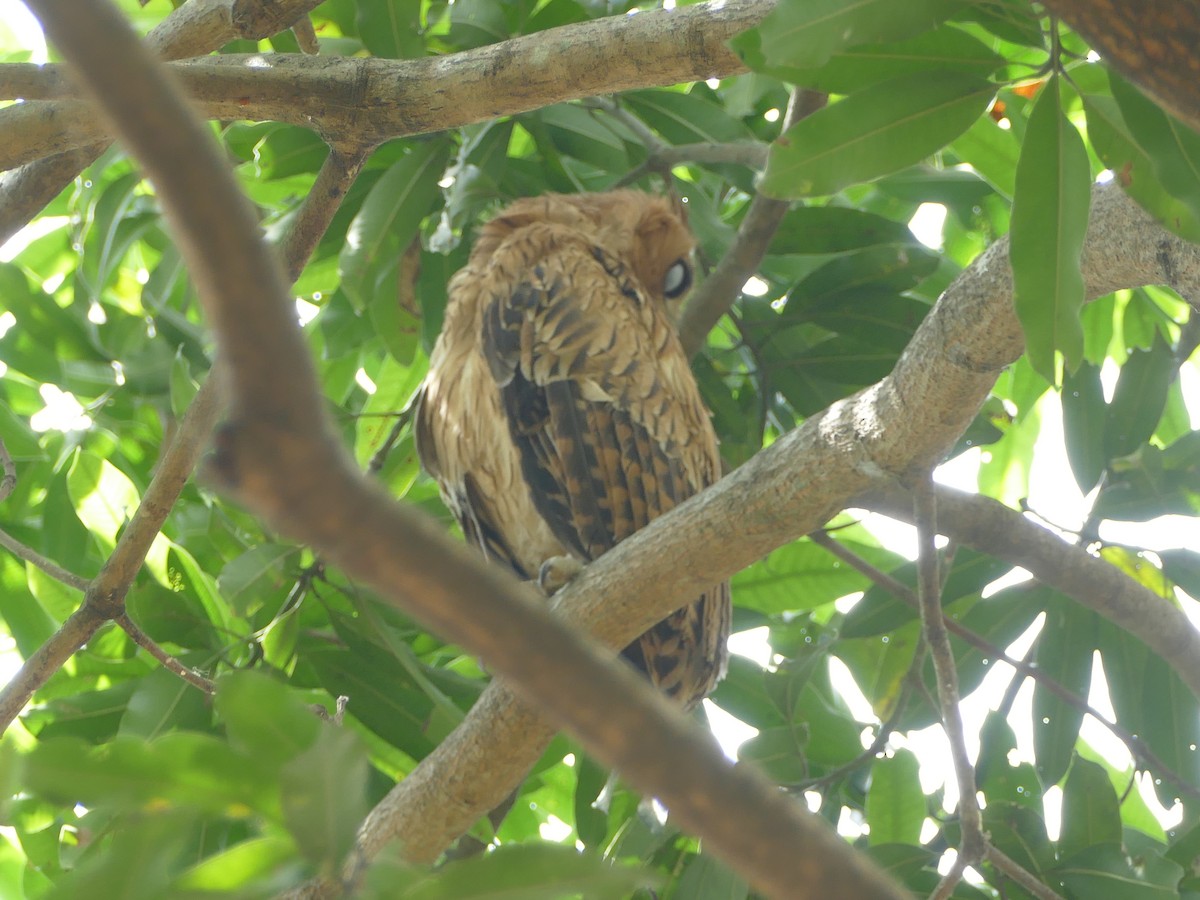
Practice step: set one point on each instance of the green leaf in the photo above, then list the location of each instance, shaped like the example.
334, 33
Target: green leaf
103, 495
237, 866
992, 151
324, 796
1139, 399
389, 219
1090, 811
264, 718
1084, 412
391, 29
805, 33
1133, 168
532, 872
1064, 653
799, 576
1105, 870
707, 878
895, 802
1049, 219
946, 49
818, 230
882, 129
246, 579
395, 386
1172, 148
290, 151
686, 118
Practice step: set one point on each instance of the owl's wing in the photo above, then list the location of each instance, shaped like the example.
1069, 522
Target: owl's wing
609, 425
472, 507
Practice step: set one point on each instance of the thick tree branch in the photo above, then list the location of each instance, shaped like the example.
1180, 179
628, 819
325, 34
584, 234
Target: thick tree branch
282, 458
196, 28
1152, 43
378, 99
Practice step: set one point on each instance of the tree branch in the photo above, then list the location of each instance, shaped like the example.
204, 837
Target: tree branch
379, 99
993, 528
168, 662
194, 29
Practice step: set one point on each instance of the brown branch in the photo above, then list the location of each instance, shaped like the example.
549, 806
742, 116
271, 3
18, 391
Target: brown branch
937, 639
49, 566
193, 29
723, 286
168, 662
378, 99
46, 660
283, 459
1020, 875
993, 528
334, 179
1152, 43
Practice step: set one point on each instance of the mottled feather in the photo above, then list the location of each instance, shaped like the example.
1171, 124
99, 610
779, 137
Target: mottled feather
560, 414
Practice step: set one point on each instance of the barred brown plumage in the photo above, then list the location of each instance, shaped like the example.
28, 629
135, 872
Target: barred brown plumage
560, 414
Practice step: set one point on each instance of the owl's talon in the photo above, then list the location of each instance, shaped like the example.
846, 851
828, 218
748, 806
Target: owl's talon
557, 572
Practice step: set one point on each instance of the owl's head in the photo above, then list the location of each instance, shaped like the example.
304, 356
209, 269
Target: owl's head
647, 232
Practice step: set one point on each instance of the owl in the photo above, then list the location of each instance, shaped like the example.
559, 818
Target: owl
560, 414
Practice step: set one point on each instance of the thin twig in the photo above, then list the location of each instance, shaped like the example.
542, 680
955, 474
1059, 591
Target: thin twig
51, 568
929, 592
170, 663
1020, 874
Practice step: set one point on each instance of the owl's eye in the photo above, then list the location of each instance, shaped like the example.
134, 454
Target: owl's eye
677, 280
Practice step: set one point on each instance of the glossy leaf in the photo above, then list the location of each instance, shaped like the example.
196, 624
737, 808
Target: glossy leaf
1050, 213
879, 130
1084, 412
1064, 653
895, 801
806, 34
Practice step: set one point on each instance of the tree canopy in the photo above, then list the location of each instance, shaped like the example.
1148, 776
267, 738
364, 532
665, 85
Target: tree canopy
241, 669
